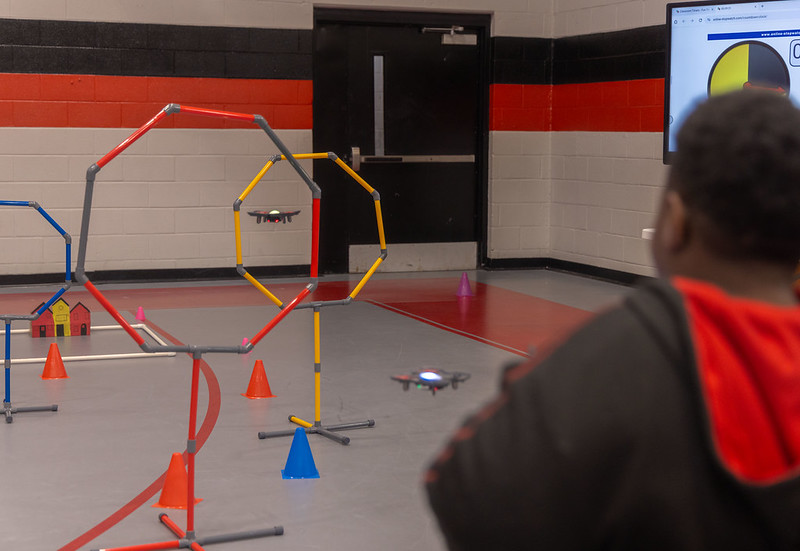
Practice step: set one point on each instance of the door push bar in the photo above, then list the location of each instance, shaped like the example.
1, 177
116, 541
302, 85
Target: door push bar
359, 159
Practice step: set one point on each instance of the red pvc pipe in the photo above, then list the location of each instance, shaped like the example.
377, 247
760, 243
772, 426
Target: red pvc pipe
130, 139
166, 521
161, 114
192, 437
175, 544
114, 313
218, 114
315, 237
274, 321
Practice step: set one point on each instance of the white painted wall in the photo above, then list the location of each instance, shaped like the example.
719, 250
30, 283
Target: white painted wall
577, 196
165, 202
511, 17
576, 17
605, 190
520, 192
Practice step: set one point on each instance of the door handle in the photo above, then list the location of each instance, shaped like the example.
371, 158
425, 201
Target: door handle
359, 159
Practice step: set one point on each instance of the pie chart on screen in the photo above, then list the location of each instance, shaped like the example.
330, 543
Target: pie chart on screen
748, 64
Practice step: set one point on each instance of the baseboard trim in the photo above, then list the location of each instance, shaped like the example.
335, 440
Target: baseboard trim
171, 274
197, 274
595, 272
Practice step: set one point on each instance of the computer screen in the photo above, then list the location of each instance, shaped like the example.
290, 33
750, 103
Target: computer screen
718, 47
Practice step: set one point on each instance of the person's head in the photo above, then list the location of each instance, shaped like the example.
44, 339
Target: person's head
733, 190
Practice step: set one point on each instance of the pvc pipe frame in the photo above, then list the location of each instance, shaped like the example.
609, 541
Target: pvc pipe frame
121, 356
68, 272
91, 173
8, 318
316, 305
316, 426
187, 539
314, 229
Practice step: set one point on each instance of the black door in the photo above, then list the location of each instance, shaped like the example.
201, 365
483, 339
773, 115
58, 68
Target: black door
409, 91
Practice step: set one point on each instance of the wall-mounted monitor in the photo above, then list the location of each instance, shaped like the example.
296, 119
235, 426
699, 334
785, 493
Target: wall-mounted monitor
718, 47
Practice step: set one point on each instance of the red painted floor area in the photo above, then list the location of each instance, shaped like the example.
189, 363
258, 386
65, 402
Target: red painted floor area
496, 316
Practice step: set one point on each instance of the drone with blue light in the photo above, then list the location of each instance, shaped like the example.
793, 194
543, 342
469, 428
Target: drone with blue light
431, 379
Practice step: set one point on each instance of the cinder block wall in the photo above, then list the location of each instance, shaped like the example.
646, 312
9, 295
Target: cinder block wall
576, 128
79, 77
575, 167
607, 182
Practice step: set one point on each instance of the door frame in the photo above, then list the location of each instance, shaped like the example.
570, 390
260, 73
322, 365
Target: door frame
480, 23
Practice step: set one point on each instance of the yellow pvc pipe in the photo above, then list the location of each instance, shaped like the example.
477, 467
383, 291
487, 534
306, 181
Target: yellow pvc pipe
379, 218
237, 223
256, 180
263, 289
307, 156
317, 400
298, 421
366, 278
317, 356
317, 374
354, 174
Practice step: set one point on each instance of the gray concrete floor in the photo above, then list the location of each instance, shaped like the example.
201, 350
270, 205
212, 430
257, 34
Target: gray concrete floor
119, 421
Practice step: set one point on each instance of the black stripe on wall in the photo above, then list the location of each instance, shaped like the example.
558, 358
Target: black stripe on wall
522, 60
132, 49
622, 55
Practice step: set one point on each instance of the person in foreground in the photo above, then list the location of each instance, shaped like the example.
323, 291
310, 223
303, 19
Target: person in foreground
671, 422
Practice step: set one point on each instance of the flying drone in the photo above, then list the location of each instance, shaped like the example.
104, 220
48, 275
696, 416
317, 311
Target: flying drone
274, 216
433, 379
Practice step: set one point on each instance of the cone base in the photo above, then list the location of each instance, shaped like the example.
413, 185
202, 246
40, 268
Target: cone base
290, 477
161, 506
257, 397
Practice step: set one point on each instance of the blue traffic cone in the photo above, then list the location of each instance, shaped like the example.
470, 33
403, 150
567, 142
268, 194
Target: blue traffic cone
300, 463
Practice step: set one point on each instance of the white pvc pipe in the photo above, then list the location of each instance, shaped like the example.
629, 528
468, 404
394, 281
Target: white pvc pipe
121, 356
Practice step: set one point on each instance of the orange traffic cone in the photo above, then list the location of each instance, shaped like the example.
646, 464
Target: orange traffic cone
140, 314
259, 385
54, 365
174, 493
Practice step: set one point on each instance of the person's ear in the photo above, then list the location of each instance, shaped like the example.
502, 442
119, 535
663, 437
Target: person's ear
675, 222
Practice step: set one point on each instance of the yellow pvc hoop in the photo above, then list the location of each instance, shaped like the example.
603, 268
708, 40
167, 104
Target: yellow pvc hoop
238, 226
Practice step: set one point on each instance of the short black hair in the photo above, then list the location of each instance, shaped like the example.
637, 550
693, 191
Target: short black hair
738, 166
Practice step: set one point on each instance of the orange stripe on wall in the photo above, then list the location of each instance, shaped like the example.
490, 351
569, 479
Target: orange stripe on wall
620, 106
95, 101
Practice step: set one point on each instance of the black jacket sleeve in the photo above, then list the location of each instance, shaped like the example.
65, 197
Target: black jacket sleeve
546, 463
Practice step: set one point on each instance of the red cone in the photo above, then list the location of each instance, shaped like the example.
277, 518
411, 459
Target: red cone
54, 365
175, 492
259, 385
